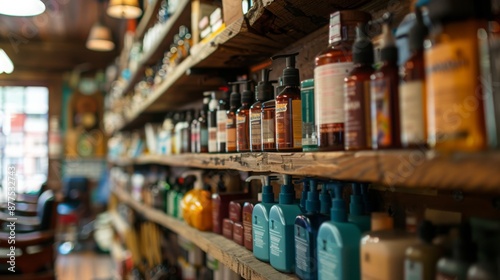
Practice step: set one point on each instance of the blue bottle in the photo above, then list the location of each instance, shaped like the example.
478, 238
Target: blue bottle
306, 232
357, 213
260, 220
281, 222
338, 243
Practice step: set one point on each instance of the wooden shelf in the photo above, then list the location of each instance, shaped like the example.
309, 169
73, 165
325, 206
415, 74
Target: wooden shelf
148, 19
407, 168
234, 256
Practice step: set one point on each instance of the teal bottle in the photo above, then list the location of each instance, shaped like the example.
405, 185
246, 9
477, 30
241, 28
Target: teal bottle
306, 232
357, 213
281, 223
260, 221
338, 243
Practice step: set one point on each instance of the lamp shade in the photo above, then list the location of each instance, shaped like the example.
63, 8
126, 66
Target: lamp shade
6, 64
21, 8
124, 9
100, 38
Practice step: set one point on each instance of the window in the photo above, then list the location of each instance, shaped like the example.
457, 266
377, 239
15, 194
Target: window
23, 136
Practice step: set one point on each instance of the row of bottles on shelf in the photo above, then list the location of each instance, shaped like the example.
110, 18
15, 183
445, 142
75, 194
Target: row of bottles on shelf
322, 235
443, 97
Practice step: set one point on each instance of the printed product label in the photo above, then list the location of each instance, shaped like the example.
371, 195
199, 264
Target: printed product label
242, 132
221, 126
453, 100
268, 131
411, 106
255, 128
258, 236
329, 92
357, 115
275, 243
302, 253
204, 137
413, 270
231, 135
212, 139
334, 28
247, 228
281, 123
297, 123
328, 264
381, 112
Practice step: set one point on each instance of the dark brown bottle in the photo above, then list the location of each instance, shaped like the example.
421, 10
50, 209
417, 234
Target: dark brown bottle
203, 128
234, 104
264, 91
331, 68
268, 123
186, 133
357, 126
243, 120
289, 108
385, 95
412, 98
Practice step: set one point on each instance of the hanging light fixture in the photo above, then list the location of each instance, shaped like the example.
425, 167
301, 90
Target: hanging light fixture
124, 9
21, 8
6, 64
100, 38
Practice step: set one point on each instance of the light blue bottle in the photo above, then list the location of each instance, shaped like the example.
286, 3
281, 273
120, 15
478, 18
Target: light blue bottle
260, 220
357, 213
338, 243
281, 222
306, 232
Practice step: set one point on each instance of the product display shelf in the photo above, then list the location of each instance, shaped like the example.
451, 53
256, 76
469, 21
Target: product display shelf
148, 18
169, 29
224, 250
477, 172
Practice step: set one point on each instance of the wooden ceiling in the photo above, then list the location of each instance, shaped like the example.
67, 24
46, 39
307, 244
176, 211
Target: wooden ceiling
54, 41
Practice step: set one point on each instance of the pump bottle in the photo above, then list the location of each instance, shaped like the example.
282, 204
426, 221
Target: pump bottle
235, 103
268, 116
243, 119
197, 204
212, 123
221, 121
263, 92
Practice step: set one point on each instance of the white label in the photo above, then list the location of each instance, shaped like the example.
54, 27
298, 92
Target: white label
221, 126
329, 92
268, 131
212, 139
413, 270
411, 105
334, 30
275, 239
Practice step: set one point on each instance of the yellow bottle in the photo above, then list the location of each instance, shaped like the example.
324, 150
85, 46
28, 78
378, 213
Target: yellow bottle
455, 94
197, 204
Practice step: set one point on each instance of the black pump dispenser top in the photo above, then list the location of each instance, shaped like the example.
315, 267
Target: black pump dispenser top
235, 97
290, 73
362, 50
247, 95
389, 51
264, 89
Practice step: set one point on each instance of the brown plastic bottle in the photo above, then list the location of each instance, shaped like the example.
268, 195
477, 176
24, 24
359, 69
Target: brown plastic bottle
243, 120
454, 88
412, 90
234, 103
357, 107
263, 92
384, 95
268, 124
289, 108
331, 67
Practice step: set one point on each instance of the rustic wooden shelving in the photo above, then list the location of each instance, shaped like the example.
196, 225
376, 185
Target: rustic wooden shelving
226, 251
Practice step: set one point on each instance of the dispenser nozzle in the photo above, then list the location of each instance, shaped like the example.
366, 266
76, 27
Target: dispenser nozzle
290, 59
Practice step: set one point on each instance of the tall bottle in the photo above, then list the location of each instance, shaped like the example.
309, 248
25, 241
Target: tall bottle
268, 116
289, 108
384, 94
235, 103
309, 135
243, 119
412, 89
212, 123
186, 132
179, 125
195, 132
358, 127
331, 67
264, 91
221, 121
454, 90
203, 127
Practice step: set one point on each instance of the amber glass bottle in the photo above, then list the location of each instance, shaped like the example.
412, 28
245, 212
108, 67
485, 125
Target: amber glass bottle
234, 104
289, 108
331, 67
385, 97
264, 91
454, 92
243, 120
357, 107
268, 129
412, 96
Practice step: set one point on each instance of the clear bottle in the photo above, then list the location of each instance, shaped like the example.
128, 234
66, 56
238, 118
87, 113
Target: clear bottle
331, 67
221, 122
289, 108
357, 95
176, 135
235, 103
264, 92
454, 91
384, 94
412, 89
243, 120
195, 133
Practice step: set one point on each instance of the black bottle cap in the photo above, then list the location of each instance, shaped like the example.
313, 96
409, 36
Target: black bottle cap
427, 231
290, 73
264, 89
464, 248
362, 50
247, 96
389, 51
418, 32
235, 97
457, 10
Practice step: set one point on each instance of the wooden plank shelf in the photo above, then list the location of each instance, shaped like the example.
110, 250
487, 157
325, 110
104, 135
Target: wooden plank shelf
234, 256
148, 19
476, 172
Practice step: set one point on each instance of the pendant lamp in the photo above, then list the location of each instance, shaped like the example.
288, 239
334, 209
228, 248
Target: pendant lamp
6, 65
128, 9
21, 8
100, 38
